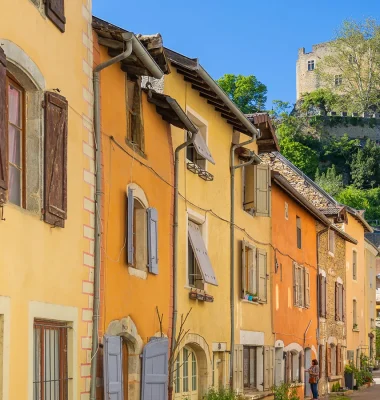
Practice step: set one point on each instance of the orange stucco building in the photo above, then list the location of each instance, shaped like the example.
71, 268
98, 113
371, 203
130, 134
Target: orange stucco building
137, 214
294, 284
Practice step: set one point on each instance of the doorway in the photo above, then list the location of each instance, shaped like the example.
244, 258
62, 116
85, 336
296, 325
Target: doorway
307, 366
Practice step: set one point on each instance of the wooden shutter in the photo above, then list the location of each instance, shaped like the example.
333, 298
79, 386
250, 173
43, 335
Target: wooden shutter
3, 129
288, 367
324, 298
262, 190
252, 270
267, 354
201, 254
336, 301
301, 286
238, 368
295, 284
112, 364
338, 359
320, 294
343, 304
262, 274
320, 361
271, 366
307, 287
249, 188
55, 11
302, 366
244, 283
55, 199
154, 380
152, 240
130, 211
328, 360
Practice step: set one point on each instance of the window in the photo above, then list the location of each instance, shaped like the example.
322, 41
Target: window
354, 315
256, 189
338, 80
135, 124
339, 302
333, 354
199, 266
254, 273
16, 143
299, 232
310, 65
293, 366
352, 59
250, 367
354, 264
50, 379
142, 232
198, 153
186, 374
331, 242
301, 283
322, 296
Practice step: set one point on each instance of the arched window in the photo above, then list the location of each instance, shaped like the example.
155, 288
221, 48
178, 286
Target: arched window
186, 375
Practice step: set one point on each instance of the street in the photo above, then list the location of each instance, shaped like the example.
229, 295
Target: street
371, 393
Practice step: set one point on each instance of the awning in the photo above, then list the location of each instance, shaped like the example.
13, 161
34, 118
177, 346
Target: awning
201, 255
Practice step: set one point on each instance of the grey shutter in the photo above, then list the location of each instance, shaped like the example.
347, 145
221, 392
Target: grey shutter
344, 304
152, 240
248, 175
307, 287
238, 368
130, 206
244, 283
301, 286
112, 364
262, 274
201, 148
262, 190
3, 129
295, 297
325, 297
252, 270
154, 384
266, 368
201, 255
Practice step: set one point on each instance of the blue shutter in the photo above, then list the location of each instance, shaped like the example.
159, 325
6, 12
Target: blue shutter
152, 240
130, 249
154, 383
112, 364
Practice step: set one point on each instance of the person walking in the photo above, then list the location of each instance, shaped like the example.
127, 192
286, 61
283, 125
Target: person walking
314, 378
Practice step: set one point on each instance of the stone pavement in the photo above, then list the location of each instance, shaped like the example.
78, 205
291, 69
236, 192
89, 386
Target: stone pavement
370, 393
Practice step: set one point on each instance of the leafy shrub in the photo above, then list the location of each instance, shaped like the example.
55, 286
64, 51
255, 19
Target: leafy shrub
285, 392
222, 394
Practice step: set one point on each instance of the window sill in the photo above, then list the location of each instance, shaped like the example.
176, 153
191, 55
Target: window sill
137, 273
331, 254
135, 148
257, 303
355, 330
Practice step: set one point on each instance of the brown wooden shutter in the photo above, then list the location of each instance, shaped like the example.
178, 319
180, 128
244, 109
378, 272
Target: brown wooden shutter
55, 11
336, 301
344, 304
324, 299
55, 198
3, 129
338, 359
320, 361
328, 360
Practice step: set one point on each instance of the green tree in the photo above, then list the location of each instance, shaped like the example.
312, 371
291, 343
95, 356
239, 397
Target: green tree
354, 197
322, 99
365, 166
354, 54
247, 92
330, 181
302, 156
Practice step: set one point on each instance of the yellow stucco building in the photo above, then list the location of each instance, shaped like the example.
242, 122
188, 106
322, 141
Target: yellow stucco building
46, 199
207, 253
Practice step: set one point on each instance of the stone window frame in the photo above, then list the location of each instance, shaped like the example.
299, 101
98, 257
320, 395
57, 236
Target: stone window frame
29, 76
311, 63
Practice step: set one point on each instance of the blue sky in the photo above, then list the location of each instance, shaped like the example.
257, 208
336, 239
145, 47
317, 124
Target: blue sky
241, 36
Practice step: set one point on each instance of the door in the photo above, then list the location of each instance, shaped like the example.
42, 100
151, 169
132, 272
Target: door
186, 375
307, 366
279, 367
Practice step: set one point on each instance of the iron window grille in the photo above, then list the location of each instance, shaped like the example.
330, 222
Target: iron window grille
50, 379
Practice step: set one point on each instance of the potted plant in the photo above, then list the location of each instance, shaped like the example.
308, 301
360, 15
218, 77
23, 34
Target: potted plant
349, 371
209, 298
192, 295
252, 296
355, 326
